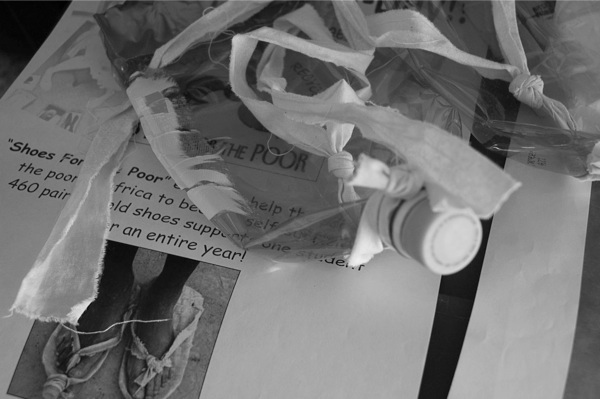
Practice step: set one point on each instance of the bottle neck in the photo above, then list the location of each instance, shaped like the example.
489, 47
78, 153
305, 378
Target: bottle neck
444, 242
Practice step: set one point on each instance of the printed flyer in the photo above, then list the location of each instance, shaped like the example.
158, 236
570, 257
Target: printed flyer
260, 328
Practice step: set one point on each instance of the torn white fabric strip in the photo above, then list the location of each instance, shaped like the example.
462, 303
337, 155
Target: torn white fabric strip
208, 26
412, 30
399, 182
195, 177
63, 280
445, 161
368, 241
158, 117
330, 139
526, 88
217, 199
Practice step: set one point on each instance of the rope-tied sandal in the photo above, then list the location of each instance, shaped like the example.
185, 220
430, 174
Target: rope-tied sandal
186, 315
60, 380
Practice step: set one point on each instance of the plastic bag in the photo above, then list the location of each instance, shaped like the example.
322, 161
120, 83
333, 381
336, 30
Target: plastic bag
560, 42
299, 197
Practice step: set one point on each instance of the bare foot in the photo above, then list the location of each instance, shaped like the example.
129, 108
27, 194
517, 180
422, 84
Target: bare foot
98, 317
114, 295
158, 302
157, 337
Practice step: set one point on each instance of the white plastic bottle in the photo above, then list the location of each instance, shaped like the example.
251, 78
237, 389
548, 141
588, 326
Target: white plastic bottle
444, 242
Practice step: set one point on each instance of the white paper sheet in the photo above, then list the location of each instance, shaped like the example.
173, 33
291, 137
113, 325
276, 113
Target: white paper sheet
584, 366
285, 330
520, 334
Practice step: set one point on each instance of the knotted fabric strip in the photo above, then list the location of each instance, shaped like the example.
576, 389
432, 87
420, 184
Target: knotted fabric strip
341, 165
214, 22
412, 30
527, 88
300, 120
187, 313
399, 181
444, 160
327, 139
153, 367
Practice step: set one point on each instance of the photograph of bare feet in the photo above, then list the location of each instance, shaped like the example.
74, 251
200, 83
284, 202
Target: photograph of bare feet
149, 333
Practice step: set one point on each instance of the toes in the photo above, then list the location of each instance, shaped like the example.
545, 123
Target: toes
133, 370
60, 352
63, 345
167, 376
77, 373
153, 387
157, 384
164, 377
63, 357
63, 350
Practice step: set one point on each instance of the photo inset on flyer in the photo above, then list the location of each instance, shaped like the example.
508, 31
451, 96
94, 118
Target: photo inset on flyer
165, 311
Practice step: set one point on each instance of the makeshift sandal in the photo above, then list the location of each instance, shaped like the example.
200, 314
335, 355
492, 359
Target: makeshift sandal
186, 314
59, 380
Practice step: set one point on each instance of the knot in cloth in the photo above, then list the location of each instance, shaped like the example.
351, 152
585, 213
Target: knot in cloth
399, 181
341, 165
54, 386
392, 184
403, 182
528, 89
156, 366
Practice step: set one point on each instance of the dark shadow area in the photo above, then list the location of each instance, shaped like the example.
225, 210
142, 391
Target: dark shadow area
24, 25
458, 291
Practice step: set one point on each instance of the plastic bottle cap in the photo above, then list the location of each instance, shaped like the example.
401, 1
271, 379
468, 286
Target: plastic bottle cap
444, 242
